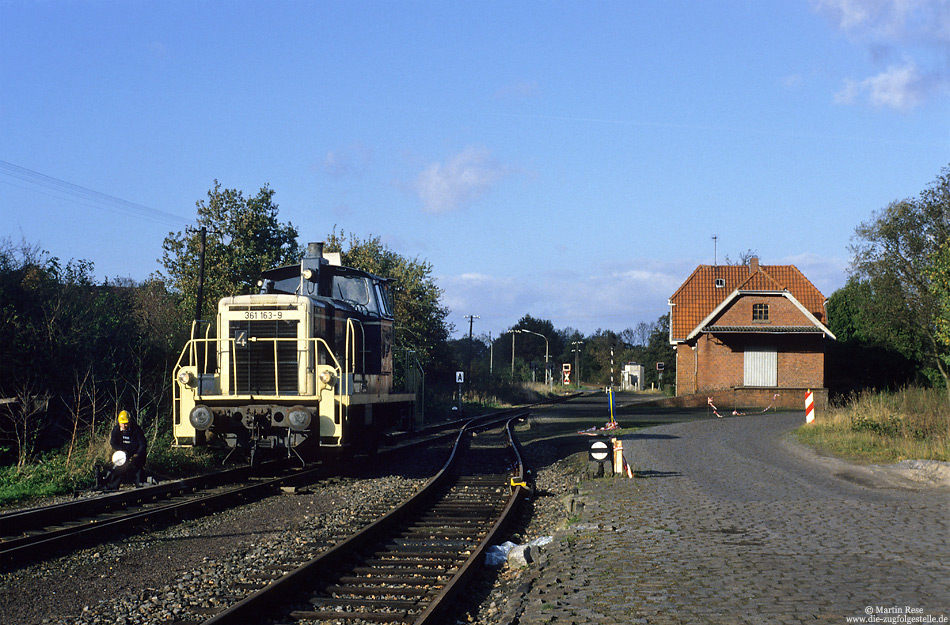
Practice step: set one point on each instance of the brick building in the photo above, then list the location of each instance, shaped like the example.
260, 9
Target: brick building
752, 335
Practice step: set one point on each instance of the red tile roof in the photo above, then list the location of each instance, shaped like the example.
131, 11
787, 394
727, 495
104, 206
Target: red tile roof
699, 296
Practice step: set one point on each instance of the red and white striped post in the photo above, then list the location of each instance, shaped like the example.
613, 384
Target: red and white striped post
809, 406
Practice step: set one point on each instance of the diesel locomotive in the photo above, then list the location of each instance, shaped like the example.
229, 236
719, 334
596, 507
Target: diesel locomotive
304, 367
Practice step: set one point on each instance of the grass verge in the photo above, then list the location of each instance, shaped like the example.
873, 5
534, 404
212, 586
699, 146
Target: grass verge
61, 473
911, 424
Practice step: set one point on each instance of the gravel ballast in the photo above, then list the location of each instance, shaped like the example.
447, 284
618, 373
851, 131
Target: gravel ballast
193, 568
158, 577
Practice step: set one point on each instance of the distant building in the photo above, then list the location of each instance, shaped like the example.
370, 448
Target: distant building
753, 330
632, 377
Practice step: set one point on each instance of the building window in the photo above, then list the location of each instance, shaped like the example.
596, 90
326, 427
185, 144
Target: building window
760, 312
720, 283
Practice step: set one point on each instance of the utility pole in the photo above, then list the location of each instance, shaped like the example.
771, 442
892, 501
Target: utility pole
491, 358
471, 321
201, 277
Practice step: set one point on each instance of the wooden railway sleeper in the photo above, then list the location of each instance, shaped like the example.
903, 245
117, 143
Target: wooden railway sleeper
377, 591
375, 617
435, 534
399, 570
397, 604
409, 562
421, 580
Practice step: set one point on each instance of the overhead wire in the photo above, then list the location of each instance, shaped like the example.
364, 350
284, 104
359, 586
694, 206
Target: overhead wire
84, 196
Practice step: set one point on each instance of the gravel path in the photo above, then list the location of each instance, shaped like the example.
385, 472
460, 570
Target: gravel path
733, 522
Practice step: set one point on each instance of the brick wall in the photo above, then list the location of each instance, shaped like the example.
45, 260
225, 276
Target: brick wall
782, 312
749, 399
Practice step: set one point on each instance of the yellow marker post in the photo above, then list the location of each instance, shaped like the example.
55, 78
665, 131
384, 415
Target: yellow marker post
610, 400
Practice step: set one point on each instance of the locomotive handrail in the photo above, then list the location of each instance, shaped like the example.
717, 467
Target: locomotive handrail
207, 338
190, 355
351, 337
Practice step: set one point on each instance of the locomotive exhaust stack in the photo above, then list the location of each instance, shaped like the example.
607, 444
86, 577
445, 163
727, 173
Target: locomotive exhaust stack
310, 266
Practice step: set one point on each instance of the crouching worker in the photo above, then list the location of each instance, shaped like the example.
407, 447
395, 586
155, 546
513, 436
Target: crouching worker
127, 438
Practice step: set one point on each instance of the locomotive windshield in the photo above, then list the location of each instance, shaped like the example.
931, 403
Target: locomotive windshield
354, 290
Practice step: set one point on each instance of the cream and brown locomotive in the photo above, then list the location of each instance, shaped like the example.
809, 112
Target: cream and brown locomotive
304, 367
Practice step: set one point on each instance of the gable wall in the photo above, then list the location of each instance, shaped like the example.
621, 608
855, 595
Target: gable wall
782, 312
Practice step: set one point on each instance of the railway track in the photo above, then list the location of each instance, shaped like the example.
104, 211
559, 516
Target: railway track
36, 533
407, 566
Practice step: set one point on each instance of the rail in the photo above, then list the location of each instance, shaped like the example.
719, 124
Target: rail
414, 560
35, 533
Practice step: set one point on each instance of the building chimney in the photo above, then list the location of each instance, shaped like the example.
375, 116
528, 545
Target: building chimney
753, 265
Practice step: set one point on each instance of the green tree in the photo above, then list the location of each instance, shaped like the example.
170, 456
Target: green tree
74, 349
871, 351
533, 348
658, 349
421, 319
244, 238
896, 253
603, 351
939, 275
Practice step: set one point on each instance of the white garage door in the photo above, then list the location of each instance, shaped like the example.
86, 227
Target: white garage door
761, 366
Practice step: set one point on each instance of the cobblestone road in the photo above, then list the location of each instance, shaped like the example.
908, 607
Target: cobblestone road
731, 522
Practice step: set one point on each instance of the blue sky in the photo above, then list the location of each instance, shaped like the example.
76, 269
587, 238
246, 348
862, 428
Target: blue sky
568, 160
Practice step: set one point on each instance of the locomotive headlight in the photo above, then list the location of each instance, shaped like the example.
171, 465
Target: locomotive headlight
201, 417
186, 378
326, 377
299, 418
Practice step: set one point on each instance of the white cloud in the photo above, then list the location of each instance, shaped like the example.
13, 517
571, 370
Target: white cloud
618, 297
899, 87
887, 21
908, 39
849, 93
444, 187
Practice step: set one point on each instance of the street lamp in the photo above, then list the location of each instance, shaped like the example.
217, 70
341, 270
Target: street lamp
547, 377
577, 371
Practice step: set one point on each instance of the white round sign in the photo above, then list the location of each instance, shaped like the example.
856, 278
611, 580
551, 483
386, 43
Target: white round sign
599, 450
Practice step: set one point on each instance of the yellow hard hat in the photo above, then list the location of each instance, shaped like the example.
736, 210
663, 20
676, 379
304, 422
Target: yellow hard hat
123, 417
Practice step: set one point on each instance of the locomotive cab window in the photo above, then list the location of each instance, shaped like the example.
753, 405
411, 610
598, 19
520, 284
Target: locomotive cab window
382, 296
760, 312
353, 290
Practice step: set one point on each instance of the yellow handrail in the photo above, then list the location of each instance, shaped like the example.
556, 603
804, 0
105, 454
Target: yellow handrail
190, 356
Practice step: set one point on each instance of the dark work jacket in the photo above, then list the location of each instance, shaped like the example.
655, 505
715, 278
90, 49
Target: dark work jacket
131, 441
